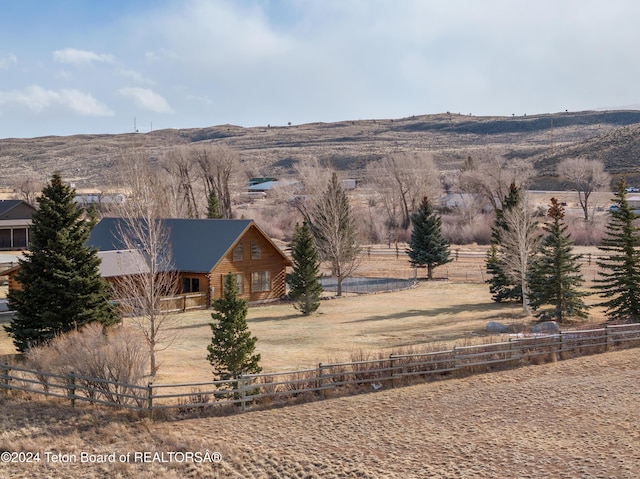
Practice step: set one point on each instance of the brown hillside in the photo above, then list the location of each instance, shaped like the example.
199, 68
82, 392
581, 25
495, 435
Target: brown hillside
348, 145
618, 149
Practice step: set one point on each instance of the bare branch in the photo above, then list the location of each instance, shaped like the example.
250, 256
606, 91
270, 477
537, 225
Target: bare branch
585, 176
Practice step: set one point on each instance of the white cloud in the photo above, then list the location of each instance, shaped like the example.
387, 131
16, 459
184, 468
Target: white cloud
220, 35
74, 56
146, 99
135, 76
6, 61
63, 75
200, 99
38, 99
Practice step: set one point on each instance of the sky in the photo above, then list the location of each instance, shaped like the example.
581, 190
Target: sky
91, 66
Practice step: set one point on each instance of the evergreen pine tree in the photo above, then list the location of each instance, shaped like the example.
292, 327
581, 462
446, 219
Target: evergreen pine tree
61, 287
231, 352
619, 279
427, 246
501, 286
555, 278
213, 206
304, 284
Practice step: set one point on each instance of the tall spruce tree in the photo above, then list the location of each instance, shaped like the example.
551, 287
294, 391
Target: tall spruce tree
427, 247
501, 286
61, 287
213, 206
231, 352
619, 278
554, 277
304, 280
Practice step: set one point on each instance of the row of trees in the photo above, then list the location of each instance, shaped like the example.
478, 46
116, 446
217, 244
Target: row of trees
541, 270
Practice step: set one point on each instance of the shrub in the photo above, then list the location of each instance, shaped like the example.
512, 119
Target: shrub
117, 354
586, 234
460, 231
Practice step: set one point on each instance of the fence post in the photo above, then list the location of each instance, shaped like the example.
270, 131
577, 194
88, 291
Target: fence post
560, 345
150, 400
243, 401
7, 373
453, 355
319, 376
606, 337
71, 388
393, 359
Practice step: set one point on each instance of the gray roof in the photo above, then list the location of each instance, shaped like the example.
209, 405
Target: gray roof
197, 245
122, 263
7, 205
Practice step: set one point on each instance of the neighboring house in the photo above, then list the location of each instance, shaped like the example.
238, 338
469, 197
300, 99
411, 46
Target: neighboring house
634, 204
99, 200
15, 224
634, 201
203, 251
465, 201
266, 186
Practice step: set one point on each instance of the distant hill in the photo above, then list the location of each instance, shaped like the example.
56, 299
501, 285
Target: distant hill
349, 145
618, 149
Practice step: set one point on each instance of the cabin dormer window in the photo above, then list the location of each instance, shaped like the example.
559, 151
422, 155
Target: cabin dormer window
238, 252
256, 252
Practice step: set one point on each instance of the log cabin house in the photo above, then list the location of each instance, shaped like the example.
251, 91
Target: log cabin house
204, 251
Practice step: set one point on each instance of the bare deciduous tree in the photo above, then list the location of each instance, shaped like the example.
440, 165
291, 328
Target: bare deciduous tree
518, 243
490, 177
402, 180
27, 189
333, 226
181, 167
217, 165
585, 176
141, 229
313, 176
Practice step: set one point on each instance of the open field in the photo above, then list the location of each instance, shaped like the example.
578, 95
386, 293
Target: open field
440, 313
571, 419
574, 418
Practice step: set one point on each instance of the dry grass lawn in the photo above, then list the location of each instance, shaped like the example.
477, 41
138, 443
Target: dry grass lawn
441, 313
571, 419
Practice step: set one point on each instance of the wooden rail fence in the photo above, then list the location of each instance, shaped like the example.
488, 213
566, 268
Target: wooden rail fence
250, 388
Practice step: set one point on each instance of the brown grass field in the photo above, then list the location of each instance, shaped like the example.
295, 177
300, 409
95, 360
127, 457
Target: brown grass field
571, 419
442, 313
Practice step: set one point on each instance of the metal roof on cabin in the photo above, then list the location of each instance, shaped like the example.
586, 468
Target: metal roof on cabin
197, 244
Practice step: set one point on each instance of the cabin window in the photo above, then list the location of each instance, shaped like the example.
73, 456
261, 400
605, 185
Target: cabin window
238, 252
256, 252
190, 285
260, 281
